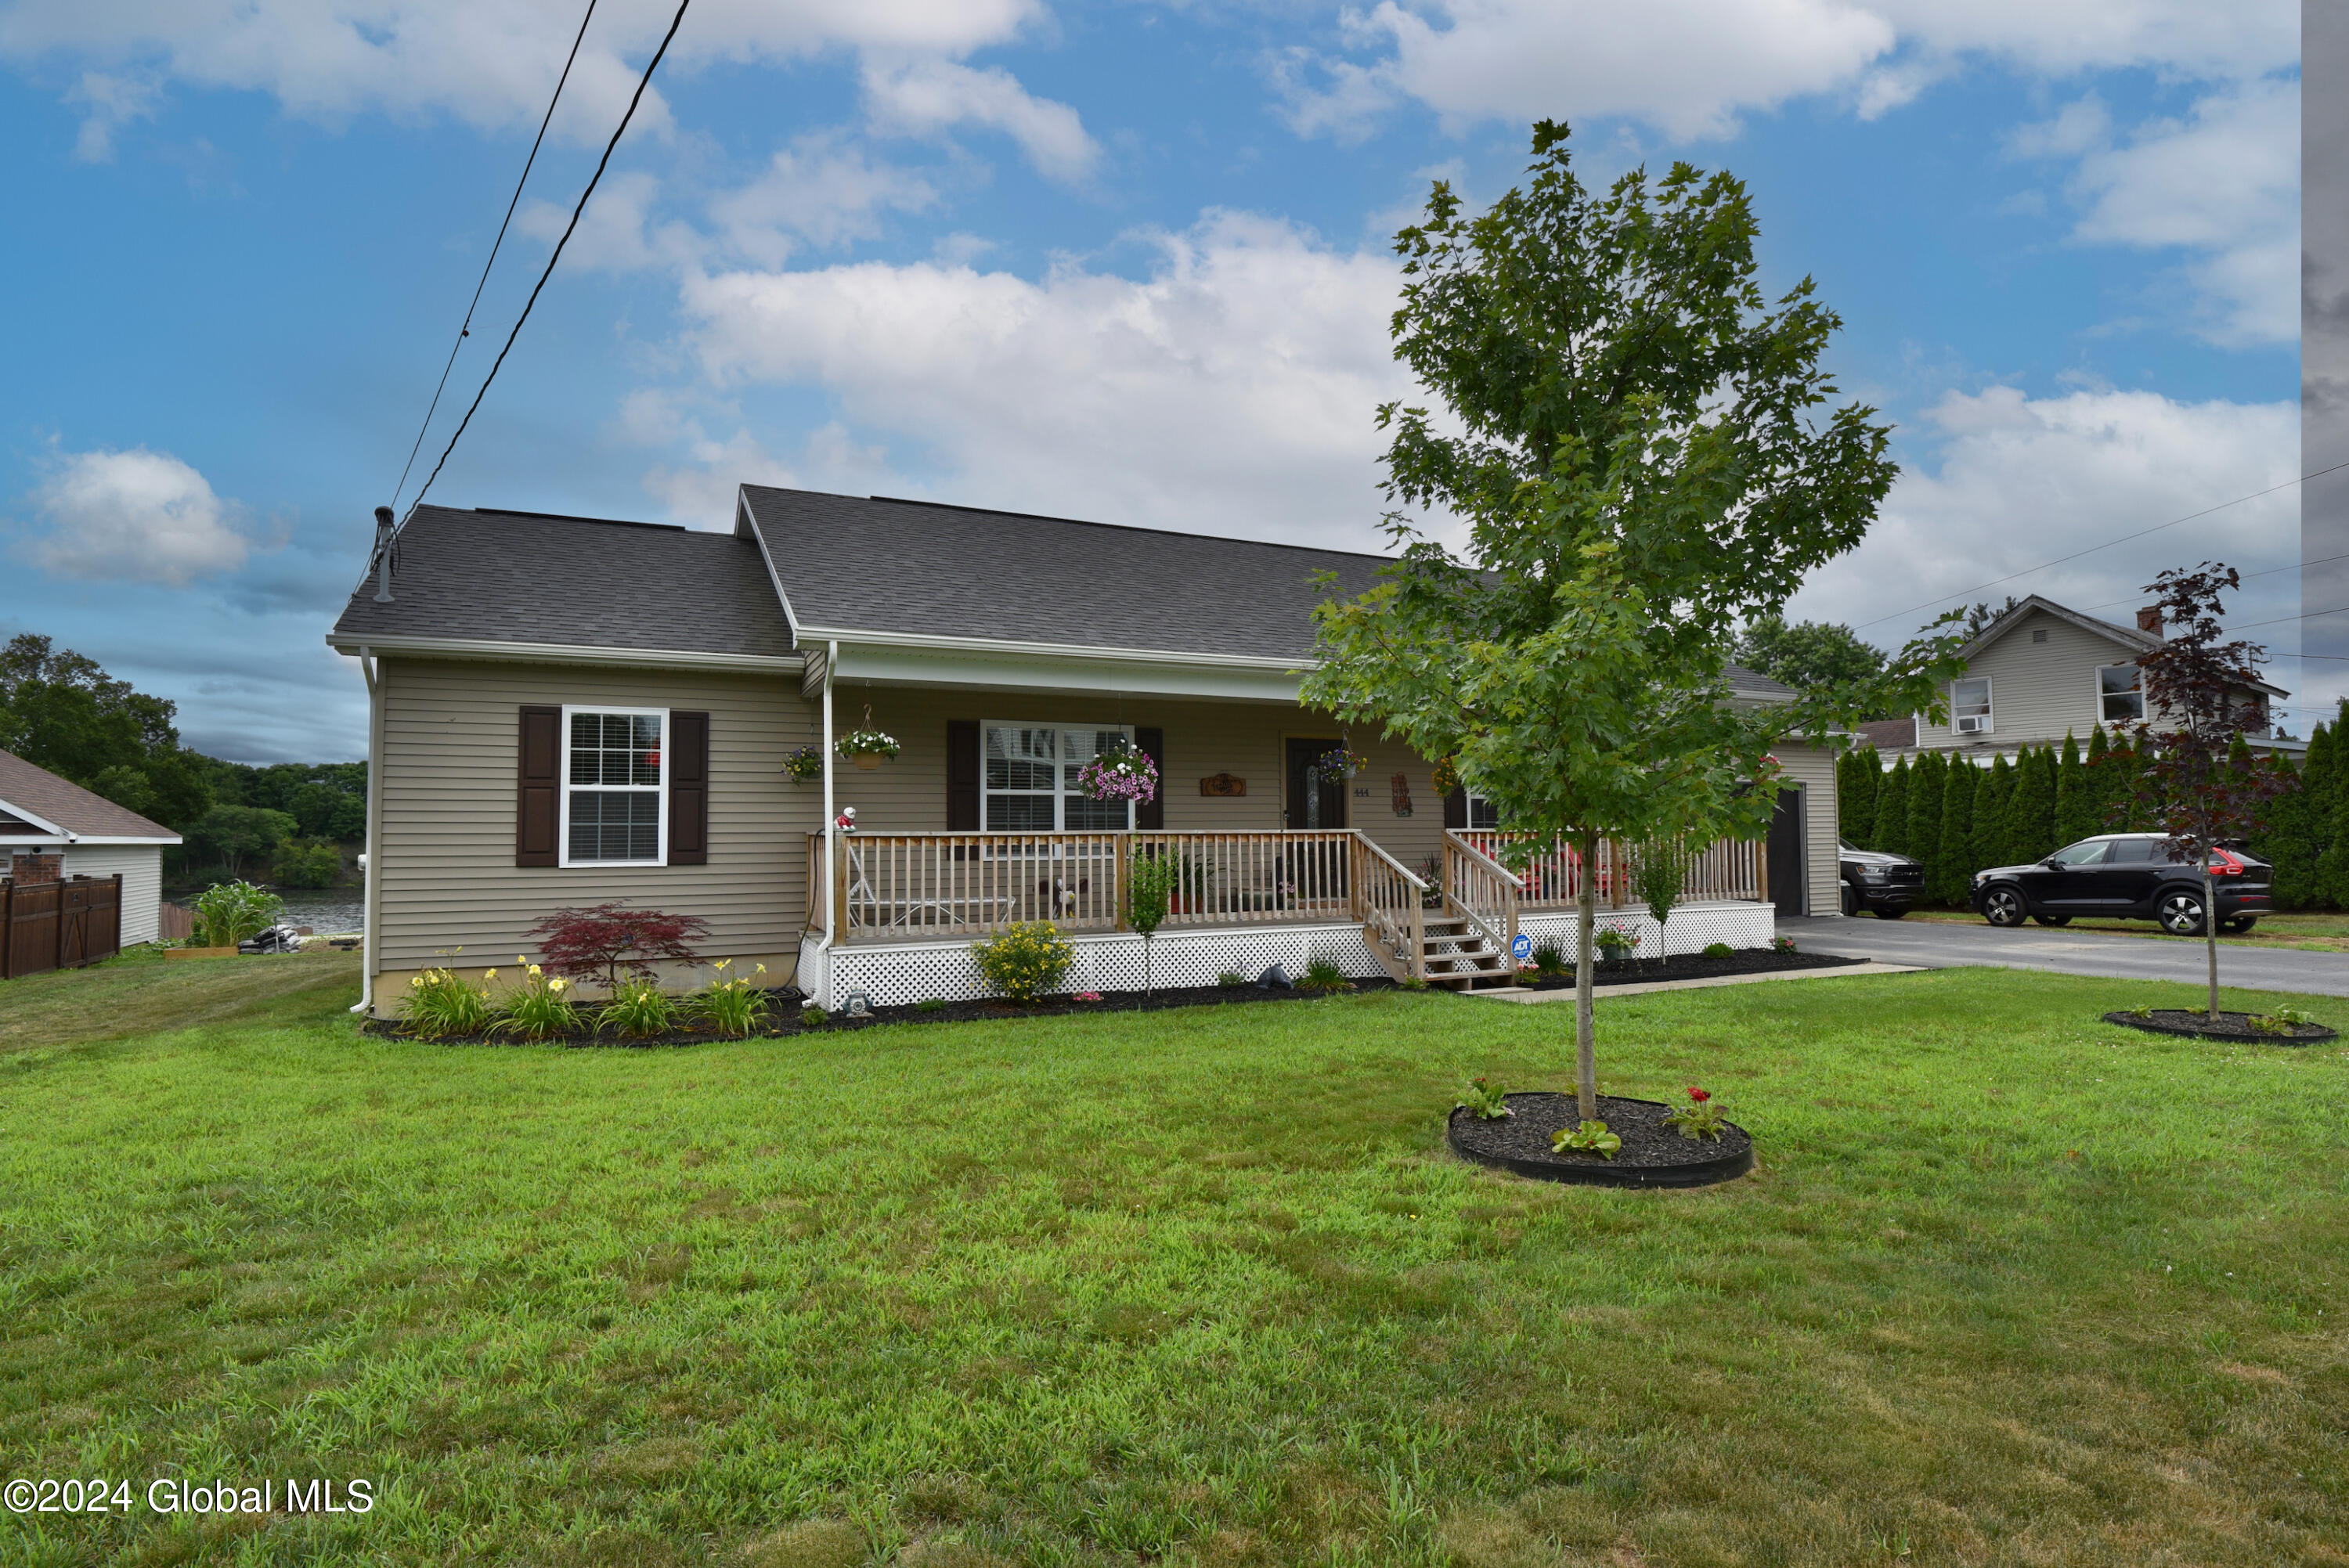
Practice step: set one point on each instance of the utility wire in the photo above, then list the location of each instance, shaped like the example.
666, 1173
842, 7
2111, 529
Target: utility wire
2107, 544
466, 330
2295, 566
635, 99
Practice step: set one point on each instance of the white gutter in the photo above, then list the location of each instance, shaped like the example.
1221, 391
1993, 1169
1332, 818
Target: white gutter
1286, 665
565, 654
369, 913
831, 834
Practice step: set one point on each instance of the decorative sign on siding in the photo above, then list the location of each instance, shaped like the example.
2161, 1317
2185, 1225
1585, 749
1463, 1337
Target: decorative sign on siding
1399, 788
1223, 784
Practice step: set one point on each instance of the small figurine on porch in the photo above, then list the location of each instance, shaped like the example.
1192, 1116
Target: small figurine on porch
846, 820
1122, 774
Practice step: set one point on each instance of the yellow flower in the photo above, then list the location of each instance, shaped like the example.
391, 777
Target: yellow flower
556, 985
487, 975
763, 969
534, 971
417, 981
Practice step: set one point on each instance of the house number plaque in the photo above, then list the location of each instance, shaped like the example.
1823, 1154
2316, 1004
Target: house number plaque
1223, 784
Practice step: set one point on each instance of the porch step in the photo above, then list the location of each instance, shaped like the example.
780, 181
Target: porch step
1456, 953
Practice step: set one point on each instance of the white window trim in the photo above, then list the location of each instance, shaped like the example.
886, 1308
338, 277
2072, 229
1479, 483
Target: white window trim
1989, 706
1476, 801
562, 767
2097, 675
1060, 783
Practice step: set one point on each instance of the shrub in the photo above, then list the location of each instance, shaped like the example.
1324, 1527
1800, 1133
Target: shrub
734, 1007
608, 940
1548, 958
1228, 978
813, 1016
1782, 944
931, 1005
1321, 978
640, 1010
1026, 961
1591, 1136
228, 914
543, 1010
1485, 1101
1719, 949
314, 863
1700, 1118
1413, 983
440, 1004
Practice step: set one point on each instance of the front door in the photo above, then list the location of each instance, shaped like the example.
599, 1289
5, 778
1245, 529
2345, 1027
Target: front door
1312, 801
1789, 891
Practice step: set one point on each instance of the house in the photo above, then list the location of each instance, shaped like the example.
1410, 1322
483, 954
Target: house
52, 830
567, 710
2041, 672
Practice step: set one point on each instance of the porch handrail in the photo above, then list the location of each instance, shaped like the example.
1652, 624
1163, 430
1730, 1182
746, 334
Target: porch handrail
1482, 889
1731, 870
1394, 901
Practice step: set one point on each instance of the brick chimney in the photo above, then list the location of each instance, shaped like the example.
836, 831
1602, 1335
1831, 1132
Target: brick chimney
2149, 620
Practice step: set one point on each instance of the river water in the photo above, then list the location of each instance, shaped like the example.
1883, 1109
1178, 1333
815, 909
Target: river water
327, 911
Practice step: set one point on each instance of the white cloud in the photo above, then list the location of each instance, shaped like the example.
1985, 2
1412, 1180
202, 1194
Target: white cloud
135, 516
2024, 480
615, 232
110, 102
924, 97
1229, 391
491, 63
1691, 66
819, 190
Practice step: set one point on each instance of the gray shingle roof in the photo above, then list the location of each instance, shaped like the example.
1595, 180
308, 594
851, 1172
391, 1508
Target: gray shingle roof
68, 805
573, 581
914, 568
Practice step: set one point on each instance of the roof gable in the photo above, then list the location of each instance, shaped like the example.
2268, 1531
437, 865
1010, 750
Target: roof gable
42, 801
2127, 637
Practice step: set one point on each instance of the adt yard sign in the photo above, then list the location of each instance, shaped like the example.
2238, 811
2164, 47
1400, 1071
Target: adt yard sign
1522, 948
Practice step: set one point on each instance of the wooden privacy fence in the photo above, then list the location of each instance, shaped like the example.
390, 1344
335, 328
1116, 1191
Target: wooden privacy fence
59, 924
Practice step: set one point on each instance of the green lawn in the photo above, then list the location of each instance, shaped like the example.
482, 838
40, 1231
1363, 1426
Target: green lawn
2009, 1286
2317, 932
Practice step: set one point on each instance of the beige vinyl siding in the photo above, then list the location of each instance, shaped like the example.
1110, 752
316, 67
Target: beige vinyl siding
2037, 690
907, 794
1815, 771
140, 867
444, 860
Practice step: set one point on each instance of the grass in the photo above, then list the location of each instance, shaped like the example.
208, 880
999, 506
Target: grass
2312, 933
2009, 1286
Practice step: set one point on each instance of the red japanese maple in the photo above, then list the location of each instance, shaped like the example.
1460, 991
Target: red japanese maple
608, 939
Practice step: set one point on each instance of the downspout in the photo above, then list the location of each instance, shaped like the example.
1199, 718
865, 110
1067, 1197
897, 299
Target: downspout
369, 916
831, 834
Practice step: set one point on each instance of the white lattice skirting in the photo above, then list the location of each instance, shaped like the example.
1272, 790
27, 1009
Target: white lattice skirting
1693, 928
894, 974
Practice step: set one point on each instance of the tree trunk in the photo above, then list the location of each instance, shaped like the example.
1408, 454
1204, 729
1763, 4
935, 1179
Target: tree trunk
1585, 917
2211, 927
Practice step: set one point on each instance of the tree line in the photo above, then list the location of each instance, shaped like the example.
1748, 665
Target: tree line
64, 712
1955, 817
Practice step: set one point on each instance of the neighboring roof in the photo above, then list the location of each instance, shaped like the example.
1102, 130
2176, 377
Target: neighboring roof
1745, 683
1888, 734
39, 798
537, 580
921, 570
2128, 637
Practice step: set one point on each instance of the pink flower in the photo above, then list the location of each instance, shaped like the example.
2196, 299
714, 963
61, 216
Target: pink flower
1698, 1095
1087, 996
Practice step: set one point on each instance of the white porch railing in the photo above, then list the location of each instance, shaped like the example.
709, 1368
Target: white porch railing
1732, 870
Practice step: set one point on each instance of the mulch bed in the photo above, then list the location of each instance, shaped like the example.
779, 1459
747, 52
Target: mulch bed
785, 1004
2197, 1025
1654, 1154
1696, 966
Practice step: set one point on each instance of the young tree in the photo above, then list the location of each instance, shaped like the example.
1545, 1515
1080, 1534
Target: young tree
606, 940
1641, 450
2196, 689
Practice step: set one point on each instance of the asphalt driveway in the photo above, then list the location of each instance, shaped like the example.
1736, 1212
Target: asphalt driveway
1941, 945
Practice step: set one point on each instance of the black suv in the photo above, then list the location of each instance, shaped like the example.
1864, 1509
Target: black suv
2124, 876
1887, 886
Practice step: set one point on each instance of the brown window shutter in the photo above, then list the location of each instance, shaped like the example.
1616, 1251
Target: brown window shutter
1455, 809
539, 779
1152, 813
962, 775
689, 788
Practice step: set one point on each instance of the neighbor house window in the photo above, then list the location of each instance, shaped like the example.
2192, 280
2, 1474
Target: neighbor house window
1481, 815
614, 788
2120, 693
1028, 777
1970, 706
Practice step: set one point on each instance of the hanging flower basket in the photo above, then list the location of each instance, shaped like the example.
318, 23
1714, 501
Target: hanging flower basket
1342, 761
1121, 775
865, 747
803, 765
1448, 776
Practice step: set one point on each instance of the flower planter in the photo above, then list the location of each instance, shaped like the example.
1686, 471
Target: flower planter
868, 761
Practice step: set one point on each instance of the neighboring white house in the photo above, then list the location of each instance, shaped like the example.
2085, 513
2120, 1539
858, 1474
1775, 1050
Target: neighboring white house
51, 828
2041, 672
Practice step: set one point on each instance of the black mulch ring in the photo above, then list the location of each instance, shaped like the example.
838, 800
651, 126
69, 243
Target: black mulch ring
2197, 1025
1654, 1154
1696, 966
784, 1004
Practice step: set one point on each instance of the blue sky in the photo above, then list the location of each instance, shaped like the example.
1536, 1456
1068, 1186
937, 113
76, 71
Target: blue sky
1125, 261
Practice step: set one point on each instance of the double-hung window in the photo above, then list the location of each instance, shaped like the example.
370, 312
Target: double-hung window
1970, 706
1028, 783
2120, 693
1483, 814
615, 787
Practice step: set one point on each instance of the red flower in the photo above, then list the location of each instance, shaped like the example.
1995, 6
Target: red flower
1698, 1095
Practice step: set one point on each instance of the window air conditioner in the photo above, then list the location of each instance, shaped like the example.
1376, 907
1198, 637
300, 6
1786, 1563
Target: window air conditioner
1974, 724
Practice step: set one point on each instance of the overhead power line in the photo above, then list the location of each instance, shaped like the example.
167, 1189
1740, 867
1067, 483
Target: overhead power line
568, 229
2124, 538
465, 329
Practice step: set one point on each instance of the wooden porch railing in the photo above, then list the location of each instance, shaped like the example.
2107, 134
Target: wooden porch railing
944, 886
1733, 869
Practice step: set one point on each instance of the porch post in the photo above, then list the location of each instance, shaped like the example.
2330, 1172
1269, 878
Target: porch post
1418, 937
828, 892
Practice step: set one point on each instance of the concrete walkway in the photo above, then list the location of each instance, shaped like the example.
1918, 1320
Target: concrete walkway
1641, 988
1944, 944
